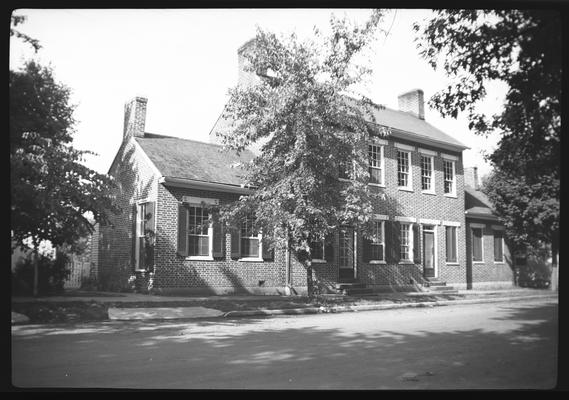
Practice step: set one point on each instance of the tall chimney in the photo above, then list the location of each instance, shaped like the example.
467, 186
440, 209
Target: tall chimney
413, 102
246, 78
471, 177
134, 118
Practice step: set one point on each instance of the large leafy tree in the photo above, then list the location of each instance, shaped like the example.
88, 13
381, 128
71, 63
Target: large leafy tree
52, 191
311, 125
523, 49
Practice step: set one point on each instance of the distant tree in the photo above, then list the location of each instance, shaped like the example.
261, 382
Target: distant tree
523, 49
51, 191
310, 129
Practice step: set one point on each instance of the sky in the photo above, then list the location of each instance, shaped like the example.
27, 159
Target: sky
185, 61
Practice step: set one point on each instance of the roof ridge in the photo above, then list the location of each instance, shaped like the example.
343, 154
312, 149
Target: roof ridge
158, 136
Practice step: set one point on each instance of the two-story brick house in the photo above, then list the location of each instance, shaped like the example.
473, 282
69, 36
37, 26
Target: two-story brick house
169, 186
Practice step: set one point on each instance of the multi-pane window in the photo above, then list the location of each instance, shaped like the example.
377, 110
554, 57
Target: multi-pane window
249, 238
427, 173
375, 153
198, 231
406, 241
498, 246
477, 244
317, 250
451, 244
378, 243
403, 169
449, 177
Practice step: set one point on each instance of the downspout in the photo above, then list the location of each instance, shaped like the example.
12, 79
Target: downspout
288, 287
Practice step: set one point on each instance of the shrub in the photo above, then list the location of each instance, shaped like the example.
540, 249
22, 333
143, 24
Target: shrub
51, 275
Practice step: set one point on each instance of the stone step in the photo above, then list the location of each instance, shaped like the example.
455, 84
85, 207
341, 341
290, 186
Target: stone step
442, 288
435, 282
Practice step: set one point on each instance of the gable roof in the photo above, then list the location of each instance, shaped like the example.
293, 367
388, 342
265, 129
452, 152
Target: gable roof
416, 128
189, 159
403, 125
477, 204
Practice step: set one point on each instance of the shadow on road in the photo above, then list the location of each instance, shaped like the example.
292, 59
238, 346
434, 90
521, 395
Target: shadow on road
518, 354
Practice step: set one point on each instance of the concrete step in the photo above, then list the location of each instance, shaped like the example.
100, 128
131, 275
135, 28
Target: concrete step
359, 291
435, 282
349, 285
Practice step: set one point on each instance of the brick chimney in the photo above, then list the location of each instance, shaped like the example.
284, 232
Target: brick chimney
413, 103
246, 78
134, 118
471, 177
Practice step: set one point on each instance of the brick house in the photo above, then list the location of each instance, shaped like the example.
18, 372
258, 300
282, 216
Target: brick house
168, 186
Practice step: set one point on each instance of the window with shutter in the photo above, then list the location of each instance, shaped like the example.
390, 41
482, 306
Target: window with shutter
182, 230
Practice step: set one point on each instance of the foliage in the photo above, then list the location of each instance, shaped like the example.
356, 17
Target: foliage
523, 49
304, 112
16, 20
51, 191
52, 274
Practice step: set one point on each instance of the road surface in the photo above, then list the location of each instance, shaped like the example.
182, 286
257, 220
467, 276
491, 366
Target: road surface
479, 346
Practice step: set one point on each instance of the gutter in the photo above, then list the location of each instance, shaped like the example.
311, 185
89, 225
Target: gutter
197, 184
481, 216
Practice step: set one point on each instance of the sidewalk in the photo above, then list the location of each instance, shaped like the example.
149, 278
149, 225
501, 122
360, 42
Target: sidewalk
78, 306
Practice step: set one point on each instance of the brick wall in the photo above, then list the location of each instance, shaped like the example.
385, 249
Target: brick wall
423, 206
136, 180
488, 273
175, 273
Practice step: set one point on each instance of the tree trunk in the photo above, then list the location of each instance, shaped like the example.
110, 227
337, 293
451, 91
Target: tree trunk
309, 278
554, 268
36, 273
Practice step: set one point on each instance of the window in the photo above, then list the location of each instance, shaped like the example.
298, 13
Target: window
477, 255
449, 177
427, 174
403, 169
317, 250
250, 239
375, 164
377, 250
144, 235
498, 246
406, 240
198, 232
451, 244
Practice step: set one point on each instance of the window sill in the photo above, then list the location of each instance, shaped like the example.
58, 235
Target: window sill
428, 192
405, 189
250, 259
478, 262
499, 262
406, 262
376, 185
450, 195
377, 262
199, 258
452, 263
319, 261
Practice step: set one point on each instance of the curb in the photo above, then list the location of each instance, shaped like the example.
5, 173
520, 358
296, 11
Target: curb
372, 307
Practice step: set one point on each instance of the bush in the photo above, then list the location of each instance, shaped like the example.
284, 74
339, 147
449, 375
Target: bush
51, 275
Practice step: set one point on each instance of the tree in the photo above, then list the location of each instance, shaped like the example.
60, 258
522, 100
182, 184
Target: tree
523, 49
52, 192
310, 128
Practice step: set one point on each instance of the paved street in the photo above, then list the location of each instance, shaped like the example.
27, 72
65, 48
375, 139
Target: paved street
480, 346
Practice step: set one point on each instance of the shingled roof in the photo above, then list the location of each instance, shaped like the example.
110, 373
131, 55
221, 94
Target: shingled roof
477, 204
189, 159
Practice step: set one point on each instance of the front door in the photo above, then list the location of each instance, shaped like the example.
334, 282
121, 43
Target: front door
429, 251
346, 254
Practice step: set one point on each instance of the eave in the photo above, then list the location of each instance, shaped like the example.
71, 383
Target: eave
398, 133
489, 217
203, 185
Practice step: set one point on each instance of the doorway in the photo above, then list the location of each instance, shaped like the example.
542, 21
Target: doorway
429, 251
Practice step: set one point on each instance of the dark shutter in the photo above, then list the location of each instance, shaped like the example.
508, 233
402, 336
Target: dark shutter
235, 243
395, 244
134, 238
268, 253
150, 235
367, 245
182, 230
329, 248
218, 236
416, 244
